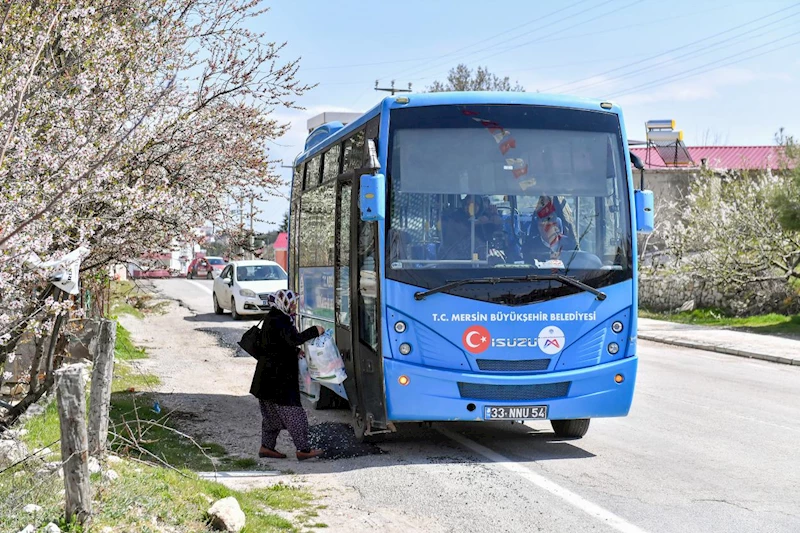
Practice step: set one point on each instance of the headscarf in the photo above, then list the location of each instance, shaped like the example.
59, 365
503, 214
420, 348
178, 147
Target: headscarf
551, 228
283, 300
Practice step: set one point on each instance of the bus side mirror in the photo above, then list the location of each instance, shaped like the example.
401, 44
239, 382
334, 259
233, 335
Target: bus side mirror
372, 197
645, 218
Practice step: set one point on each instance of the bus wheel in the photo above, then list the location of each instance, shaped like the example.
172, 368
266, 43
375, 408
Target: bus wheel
570, 429
360, 427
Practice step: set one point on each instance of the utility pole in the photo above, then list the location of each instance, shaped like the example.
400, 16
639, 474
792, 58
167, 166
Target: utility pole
241, 226
392, 88
252, 235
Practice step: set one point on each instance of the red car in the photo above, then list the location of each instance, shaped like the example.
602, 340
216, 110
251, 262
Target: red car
205, 267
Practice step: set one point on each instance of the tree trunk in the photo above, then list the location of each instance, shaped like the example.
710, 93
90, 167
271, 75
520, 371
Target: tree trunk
74, 445
33, 396
100, 396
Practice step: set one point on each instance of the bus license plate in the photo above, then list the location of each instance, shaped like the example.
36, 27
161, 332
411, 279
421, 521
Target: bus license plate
523, 412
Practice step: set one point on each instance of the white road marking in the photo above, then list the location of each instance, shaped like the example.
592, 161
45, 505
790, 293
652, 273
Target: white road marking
209, 291
592, 509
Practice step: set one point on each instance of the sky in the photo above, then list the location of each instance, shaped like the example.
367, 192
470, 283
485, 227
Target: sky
727, 71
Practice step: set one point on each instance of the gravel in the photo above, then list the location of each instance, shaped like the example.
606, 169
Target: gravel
339, 441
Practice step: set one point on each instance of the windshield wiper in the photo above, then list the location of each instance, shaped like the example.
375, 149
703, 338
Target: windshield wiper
566, 280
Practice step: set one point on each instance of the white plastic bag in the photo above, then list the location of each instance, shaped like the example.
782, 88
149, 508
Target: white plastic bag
324, 361
308, 387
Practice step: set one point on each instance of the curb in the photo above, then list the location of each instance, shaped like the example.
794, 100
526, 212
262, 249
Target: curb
722, 350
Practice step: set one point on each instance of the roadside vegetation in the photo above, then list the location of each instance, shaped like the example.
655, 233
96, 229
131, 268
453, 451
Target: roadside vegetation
769, 324
155, 487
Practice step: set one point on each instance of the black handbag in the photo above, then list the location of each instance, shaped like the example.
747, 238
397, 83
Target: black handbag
251, 340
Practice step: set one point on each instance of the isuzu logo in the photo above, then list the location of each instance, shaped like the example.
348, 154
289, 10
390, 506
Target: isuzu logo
476, 339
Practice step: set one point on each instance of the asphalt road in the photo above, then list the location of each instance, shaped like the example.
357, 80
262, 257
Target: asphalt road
711, 445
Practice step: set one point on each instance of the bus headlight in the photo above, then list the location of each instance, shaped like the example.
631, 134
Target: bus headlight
400, 327
405, 348
617, 327
613, 348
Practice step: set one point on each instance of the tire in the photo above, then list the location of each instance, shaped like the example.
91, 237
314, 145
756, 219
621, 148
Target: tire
571, 429
234, 314
217, 309
359, 427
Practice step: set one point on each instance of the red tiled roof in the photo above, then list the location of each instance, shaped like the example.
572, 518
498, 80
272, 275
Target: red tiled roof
282, 242
721, 157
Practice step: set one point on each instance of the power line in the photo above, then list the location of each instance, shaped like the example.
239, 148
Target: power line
671, 50
563, 38
551, 66
702, 68
697, 52
428, 58
558, 21
539, 39
505, 33
556, 39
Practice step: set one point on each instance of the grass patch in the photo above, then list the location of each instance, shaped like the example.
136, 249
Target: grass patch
146, 498
771, 324
149, 499
145, 434
242, 463
127, 298
125, 350
44, 431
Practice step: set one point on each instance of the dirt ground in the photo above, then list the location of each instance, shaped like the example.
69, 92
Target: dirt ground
207, 385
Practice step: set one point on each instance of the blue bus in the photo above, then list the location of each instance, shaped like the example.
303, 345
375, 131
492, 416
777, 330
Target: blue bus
475, 255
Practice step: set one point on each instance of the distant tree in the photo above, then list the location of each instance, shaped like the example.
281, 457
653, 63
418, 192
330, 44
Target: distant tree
220, 247
786, 201
729, 238
462, 78
284, 227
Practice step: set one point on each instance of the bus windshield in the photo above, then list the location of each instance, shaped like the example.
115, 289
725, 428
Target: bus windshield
492, 190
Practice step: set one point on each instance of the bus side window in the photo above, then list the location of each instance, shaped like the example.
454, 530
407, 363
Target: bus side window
343, 258
354, 152
367, 285
312, 172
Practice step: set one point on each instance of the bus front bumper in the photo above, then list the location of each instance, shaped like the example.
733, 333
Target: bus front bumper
433, 394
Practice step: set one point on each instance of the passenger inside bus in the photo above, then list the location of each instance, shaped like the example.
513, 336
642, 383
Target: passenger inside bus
490, 243
548, 234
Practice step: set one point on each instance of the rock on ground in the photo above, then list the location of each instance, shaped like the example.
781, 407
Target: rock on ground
28, 529
110, 475
226, 515
12, 451
114, 459
94, 465
52, 528
32, 508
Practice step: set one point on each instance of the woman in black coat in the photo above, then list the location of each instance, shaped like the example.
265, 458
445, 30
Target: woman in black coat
275, 382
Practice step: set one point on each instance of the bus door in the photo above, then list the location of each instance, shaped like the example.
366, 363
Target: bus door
370, 409
344, 302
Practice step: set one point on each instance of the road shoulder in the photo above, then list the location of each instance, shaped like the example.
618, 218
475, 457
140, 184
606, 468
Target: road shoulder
724, 341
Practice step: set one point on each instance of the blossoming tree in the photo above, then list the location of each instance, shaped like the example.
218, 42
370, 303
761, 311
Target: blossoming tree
124, 124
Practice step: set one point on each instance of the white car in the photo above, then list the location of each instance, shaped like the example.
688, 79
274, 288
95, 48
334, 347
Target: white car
243, 287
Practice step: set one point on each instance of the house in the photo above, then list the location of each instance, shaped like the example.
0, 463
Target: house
718, 158
670, 178
281, 249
